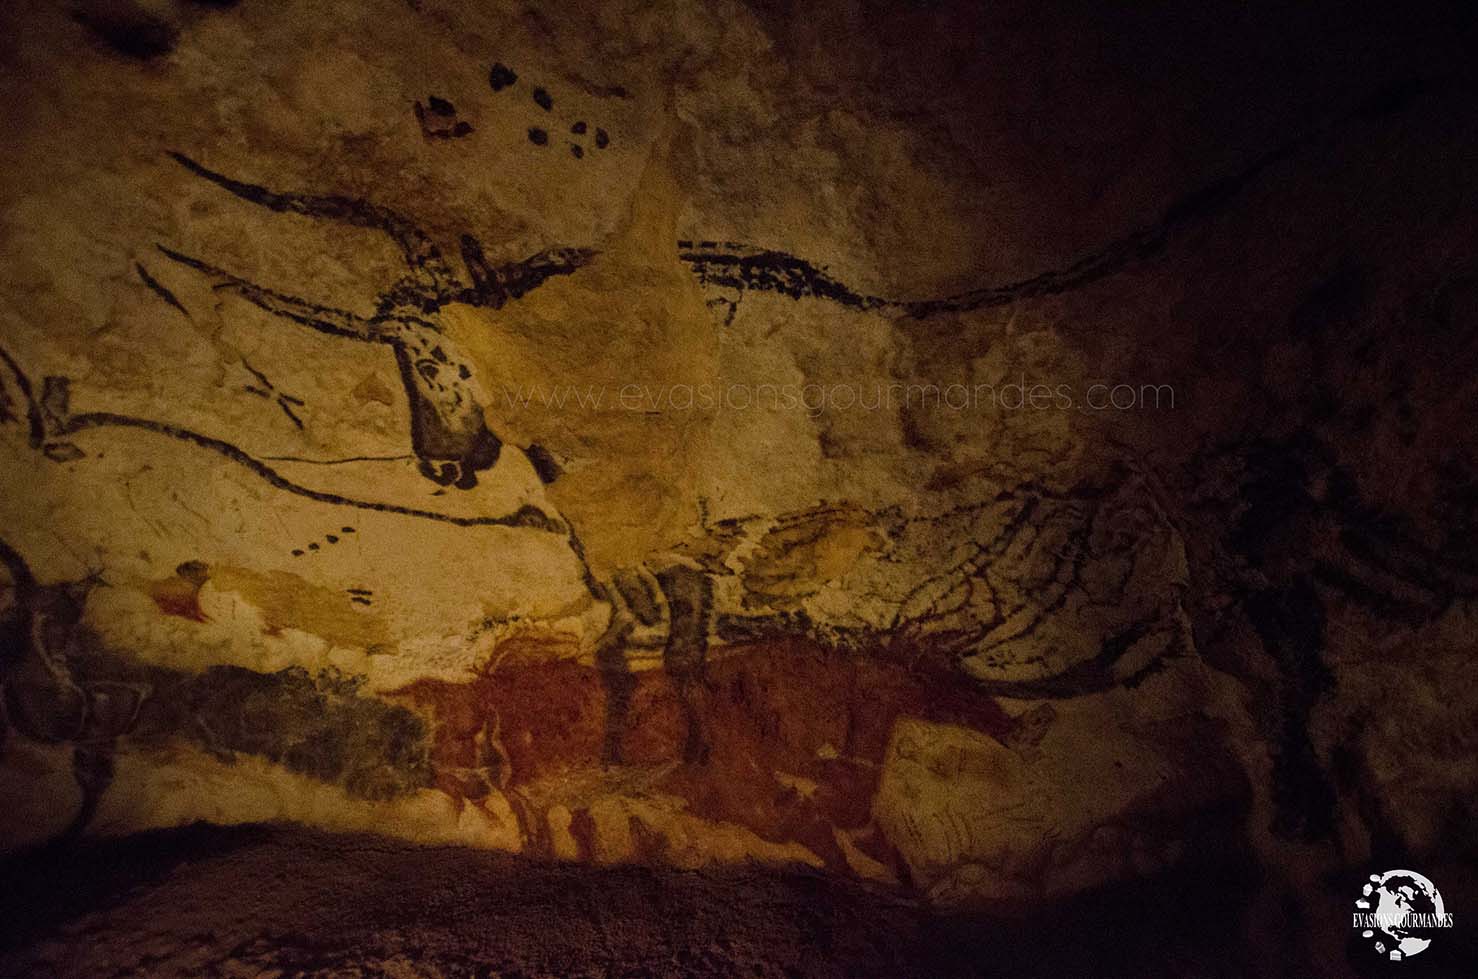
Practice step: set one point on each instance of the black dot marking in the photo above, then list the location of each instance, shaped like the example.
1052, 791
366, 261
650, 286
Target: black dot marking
543, 100
538, 136
297, 552
441, 106
461, 129
601, 139
576, 150
346, 530
501, 77
312, 547
331, 539
578, 128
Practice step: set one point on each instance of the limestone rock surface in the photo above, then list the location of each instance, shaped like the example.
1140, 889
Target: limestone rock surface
700, 433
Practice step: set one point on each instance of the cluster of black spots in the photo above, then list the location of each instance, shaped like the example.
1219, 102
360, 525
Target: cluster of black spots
602, 139
127, 29
328, 538
438, 119
501, 77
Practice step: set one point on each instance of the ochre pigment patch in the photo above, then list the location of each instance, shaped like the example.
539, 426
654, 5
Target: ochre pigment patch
289, 601
176, 596
793, 736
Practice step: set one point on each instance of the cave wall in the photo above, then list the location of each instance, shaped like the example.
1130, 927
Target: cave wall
292, 530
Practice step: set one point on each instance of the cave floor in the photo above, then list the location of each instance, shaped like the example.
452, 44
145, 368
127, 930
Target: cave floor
271, 901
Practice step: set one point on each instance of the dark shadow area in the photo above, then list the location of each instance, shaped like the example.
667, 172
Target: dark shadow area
245, 901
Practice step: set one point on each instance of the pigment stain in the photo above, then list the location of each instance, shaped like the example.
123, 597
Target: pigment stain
794, 734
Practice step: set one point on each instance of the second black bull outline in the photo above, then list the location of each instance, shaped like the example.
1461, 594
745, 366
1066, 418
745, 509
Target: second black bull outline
449, 434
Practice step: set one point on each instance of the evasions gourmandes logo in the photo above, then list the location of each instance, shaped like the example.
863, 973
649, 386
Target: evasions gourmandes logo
1400, 912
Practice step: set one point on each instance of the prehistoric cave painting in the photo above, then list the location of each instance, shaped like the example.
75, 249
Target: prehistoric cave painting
35, 424
669, 609
501, 77
159, 289
60, 685
328, 539
266, 390
449, 433
50, 417
41, 696
320, 726
741, 268
438, 120
744, 268
1293, 494
1035, 593
1050, 594
794, 734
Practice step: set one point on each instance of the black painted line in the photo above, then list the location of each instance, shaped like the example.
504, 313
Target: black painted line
289, 413
525, 516
420, 253
324, 319
262, 378
340, 462
492, 285
160, 289
789, 275
20, 573
33, 409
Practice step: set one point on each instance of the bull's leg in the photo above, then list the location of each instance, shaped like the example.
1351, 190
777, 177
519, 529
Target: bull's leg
92, 767
689, 595
615, 674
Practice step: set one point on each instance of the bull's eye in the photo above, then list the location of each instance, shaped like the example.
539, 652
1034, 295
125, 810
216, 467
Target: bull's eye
427, 369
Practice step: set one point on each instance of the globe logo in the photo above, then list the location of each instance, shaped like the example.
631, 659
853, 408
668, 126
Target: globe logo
1399, 912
